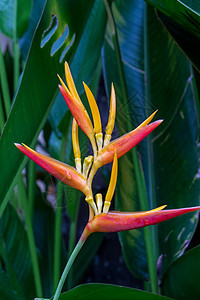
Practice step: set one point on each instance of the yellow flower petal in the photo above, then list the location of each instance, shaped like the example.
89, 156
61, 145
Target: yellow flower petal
112, 184
148, 120
75, 140
111, 119
63, 84
94, 109
70, 82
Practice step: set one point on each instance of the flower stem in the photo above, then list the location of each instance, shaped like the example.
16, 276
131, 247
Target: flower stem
137, 165
68, 267
58, 235
72, 240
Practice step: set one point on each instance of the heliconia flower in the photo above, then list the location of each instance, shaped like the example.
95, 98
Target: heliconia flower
122, 221
63, 172
100, 219
104, 152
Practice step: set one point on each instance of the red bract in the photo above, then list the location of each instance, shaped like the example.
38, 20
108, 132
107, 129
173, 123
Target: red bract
63, 172
125, 143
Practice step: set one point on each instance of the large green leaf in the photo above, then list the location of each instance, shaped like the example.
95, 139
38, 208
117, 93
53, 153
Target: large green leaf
7, 12
188, 43
182, 279
38, 87
8, 293
186, 13
15, 256
158, 76
108, 292
182, 20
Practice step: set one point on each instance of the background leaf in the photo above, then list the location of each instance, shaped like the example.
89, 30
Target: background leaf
169, 158
106, 291
7, 8
15, 257
186, 13
181, 280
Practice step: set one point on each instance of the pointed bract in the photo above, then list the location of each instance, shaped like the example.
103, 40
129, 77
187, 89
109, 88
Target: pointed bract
125, 143
94, 109
80, 115
121, 221
63, 172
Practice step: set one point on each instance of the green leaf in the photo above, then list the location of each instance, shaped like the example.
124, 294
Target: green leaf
158, 76
38, 90
7, 293
186, 13
26, 39
7, 11
182, 20
107, 292
182, 278
188, 43
15, 256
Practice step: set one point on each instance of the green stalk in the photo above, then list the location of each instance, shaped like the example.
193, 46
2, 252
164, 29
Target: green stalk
4, 84
31, 187
58, 235
151, 175
30, 235
138, 168
72, 240
2, 118
67, 268
16, 53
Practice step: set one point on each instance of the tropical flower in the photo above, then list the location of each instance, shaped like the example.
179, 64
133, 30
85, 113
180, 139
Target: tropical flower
104, 152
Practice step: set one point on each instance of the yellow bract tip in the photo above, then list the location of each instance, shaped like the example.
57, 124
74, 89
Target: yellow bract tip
94, 109
113, 180
75, 140
158, 208
111, 119
63, 84
148, 120
70, 82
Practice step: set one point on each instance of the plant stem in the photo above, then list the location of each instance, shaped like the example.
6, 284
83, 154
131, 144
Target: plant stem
31, 187
2, 119
16, 55
137, 165
67, 268
72, 239
4, 84
30, 235
153, 250
58, 235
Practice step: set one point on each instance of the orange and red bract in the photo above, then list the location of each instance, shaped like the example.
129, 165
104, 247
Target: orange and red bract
125, 143
63, 172
122, 221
